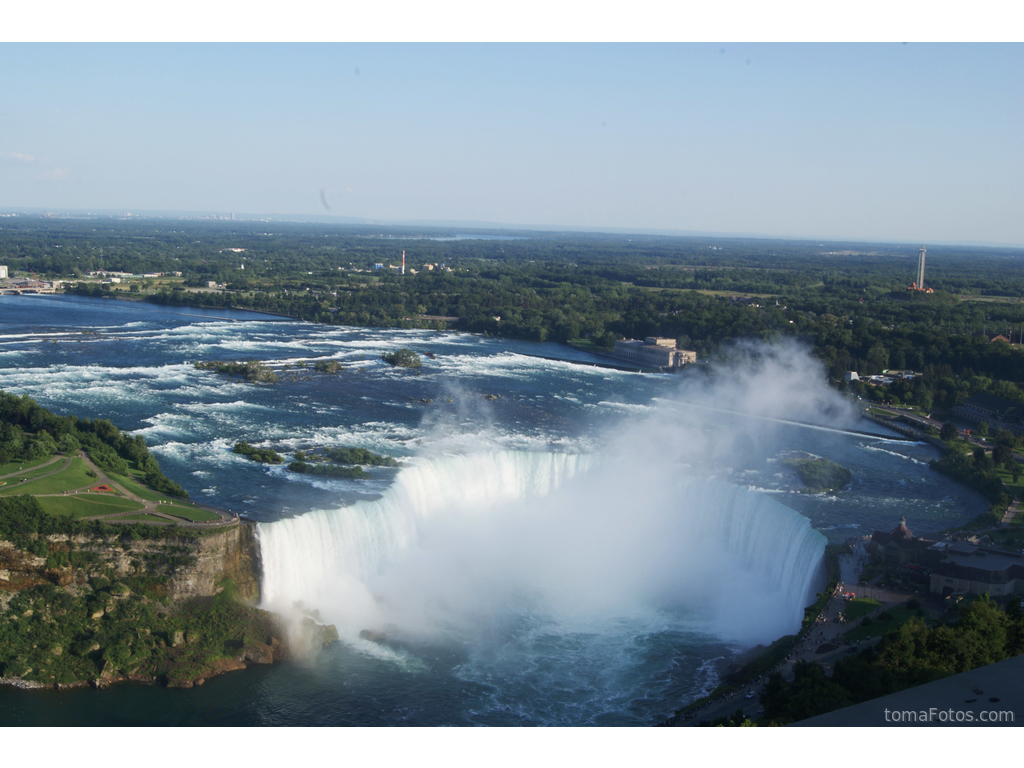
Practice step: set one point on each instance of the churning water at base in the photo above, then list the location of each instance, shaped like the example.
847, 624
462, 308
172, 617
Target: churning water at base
560, 582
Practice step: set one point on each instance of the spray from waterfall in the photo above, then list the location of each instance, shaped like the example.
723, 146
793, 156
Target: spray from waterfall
465, 546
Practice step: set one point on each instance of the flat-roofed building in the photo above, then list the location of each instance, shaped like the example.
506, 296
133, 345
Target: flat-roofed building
654, 352
997, 412
969, 569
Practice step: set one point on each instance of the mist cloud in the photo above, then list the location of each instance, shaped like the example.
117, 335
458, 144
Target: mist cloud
463, 547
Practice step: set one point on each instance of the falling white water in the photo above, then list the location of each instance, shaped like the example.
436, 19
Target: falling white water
461, 544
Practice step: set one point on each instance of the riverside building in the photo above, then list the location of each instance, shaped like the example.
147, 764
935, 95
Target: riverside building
654, 352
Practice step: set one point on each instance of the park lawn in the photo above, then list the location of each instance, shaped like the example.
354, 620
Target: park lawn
586, 345
142, 491
26, 477
859, 607
1012, 536
143, 519
1017, 489
87, 505
17, 466
900, 616
189, 513
74, 476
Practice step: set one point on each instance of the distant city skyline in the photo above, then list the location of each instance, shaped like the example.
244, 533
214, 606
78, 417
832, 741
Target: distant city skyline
868, 142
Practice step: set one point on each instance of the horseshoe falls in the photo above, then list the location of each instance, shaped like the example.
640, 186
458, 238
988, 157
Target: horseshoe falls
463, 544
555, 548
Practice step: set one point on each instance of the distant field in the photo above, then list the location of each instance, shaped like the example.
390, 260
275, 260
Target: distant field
87, 505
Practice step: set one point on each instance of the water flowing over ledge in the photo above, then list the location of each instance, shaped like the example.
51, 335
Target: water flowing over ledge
457, 538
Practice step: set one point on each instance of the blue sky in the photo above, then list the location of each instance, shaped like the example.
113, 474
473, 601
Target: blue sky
918, 142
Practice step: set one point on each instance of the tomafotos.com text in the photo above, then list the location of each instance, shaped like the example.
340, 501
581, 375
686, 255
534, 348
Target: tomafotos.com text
935, 715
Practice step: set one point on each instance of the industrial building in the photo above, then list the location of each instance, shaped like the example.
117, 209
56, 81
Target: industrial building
997, 412
654, 352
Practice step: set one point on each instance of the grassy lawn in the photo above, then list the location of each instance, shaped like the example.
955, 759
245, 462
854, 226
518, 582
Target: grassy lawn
143, 519
900, 616
1016, 488
860, 606
87, 504
139, 490
16, 466
27, 476
66, 480
189, 513
1012, 536
586, 345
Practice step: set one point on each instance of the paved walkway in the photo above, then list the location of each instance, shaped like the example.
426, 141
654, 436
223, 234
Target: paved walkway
20, 472
1011, 513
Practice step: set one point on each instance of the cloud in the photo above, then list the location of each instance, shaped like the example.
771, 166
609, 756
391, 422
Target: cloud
45, 169
55, 174
16, 157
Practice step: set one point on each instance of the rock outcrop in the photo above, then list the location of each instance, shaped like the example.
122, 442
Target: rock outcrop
195, 566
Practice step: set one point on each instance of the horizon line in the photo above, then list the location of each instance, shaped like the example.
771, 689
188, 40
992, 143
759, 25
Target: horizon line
337, 219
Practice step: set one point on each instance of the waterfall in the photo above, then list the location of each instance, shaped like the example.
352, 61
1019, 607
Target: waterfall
458, 540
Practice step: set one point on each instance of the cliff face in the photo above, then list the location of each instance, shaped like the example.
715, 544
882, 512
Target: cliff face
114, 606
232, 553
193, 567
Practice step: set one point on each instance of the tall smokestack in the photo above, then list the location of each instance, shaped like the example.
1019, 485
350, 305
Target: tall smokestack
403, 262
920, 268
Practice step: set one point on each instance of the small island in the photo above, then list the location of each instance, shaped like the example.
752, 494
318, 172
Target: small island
402, 358
262, 455
820, 475
250, 370
328, 462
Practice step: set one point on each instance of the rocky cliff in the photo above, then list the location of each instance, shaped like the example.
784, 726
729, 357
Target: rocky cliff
139, 604
192, 566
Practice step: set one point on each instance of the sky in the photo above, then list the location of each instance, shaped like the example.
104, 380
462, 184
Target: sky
883, 141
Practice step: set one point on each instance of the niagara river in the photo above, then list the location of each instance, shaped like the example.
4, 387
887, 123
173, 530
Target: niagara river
560, 543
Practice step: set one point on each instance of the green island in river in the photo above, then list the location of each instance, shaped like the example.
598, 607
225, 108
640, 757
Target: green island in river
820, 475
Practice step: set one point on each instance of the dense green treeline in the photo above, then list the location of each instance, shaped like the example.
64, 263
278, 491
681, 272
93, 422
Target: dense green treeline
29, 431
124, 629
911, 655
847, 301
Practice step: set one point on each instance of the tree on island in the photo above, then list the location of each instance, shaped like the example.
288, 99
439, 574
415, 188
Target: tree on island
402, 358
